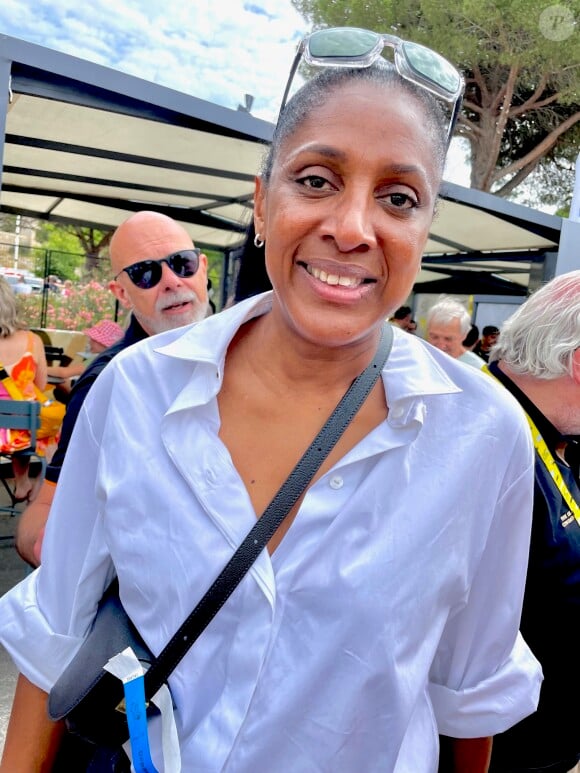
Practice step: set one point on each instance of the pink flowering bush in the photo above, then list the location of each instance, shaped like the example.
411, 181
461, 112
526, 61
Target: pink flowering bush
83, 306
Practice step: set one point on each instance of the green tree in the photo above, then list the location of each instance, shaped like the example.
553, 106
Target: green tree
215, 270
521, 61
73, 249
65, 250
95, 243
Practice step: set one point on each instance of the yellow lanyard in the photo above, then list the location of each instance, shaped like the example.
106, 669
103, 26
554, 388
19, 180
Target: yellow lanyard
552, 467
550, 463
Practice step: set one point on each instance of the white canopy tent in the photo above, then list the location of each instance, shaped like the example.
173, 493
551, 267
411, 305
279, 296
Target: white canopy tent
88, 145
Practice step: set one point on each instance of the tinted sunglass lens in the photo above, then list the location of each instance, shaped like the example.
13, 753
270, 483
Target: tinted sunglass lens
345, 42
145, 274
184, 263
435, 68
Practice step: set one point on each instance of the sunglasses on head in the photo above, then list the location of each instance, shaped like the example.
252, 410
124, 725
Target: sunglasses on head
145, 274
353, 47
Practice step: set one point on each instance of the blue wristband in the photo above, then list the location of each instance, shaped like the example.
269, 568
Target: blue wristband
137, 721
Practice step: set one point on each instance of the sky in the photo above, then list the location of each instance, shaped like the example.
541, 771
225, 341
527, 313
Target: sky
212, 49
218, 50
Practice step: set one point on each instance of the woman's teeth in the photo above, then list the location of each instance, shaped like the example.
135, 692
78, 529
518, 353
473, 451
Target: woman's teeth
333, 279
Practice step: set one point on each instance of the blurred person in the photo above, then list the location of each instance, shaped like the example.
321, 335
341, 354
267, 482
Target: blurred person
537, 359
448, 323
55, 283
22, 357
489, 337
18, 285
99, 337
472, 338
67, 287
402, 317
139, 241
371, 622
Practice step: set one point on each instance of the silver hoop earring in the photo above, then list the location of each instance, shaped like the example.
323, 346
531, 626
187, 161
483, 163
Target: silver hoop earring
258, 241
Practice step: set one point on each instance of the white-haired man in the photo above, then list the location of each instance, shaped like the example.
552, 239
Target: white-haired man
448, 322
538, 360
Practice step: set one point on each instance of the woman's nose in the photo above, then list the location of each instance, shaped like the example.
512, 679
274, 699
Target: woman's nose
351, 223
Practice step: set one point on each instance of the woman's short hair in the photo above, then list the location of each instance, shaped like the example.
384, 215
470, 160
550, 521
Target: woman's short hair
446, 310
9, 322
540, 338
316, 91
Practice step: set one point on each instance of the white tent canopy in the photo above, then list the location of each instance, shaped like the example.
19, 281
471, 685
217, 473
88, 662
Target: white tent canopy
88, 145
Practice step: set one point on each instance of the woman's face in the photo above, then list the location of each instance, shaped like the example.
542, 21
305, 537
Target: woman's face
347, 212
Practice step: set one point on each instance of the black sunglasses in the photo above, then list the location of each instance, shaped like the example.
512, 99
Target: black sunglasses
145, 274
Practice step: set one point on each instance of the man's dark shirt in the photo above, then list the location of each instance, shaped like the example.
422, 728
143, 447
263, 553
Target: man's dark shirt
80, 390
480, 352
551, 616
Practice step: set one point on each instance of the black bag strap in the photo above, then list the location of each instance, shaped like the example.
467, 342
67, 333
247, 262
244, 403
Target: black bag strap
272, 517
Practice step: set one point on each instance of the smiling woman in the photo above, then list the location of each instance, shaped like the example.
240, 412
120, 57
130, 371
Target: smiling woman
371, 624
364, 208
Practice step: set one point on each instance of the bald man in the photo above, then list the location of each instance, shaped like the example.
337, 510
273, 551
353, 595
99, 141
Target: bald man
174, 300
160, 276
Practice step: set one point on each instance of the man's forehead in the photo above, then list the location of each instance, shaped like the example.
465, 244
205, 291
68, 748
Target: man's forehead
145, 238
451, 327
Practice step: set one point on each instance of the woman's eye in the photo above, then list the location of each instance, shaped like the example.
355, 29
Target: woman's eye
314, 181
401, 200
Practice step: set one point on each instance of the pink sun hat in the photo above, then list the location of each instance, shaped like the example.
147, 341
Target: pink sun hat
105, 332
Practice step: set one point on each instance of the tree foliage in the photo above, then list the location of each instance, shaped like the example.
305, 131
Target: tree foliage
73, 249
521, 61
7, 222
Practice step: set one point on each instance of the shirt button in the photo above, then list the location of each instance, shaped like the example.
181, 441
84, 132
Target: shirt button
396, 413
336, 482
210, 476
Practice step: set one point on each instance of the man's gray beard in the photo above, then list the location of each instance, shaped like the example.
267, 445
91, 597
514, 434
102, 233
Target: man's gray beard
160, 324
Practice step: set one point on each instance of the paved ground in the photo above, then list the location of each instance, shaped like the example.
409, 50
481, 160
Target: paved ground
12, 570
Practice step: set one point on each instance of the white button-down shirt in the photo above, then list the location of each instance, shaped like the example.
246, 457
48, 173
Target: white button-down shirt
387, 615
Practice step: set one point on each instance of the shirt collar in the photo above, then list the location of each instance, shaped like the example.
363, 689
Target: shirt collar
208, 341
204, 344
413, 370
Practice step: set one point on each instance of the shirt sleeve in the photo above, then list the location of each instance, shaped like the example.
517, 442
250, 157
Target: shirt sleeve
484, 677
44, 619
